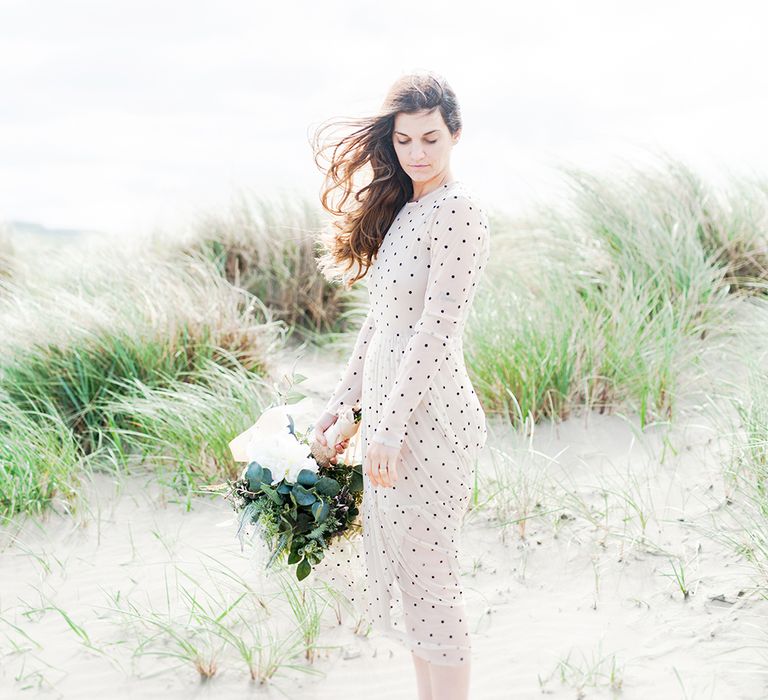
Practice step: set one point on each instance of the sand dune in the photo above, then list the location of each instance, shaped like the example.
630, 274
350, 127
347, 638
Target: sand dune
584, 605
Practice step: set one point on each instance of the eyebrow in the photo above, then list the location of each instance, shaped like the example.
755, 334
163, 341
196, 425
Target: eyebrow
424, 134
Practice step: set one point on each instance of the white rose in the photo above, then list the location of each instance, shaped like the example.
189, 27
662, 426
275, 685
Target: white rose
281, 453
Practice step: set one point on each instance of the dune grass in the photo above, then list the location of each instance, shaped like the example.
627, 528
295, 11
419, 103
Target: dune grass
160, 348
214, 618
39, 459
607, 302
746, 509
160, 355
123, 326
184, 427
604, 302
267, 246
7, 258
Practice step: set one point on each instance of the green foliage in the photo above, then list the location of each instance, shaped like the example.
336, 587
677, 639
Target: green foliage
269, 247
7, 258
37, 451
610, 300
131, 356
189, 424
295, 518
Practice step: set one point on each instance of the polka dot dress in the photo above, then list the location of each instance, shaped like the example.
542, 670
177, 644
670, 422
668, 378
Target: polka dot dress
407, 370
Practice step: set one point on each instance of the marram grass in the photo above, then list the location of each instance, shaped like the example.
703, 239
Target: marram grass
7, 259
161, 325
267, 246
124, 327
610, 300
39, 458
185, 427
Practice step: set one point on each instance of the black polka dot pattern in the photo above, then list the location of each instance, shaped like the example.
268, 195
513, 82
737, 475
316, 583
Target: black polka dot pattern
407, 370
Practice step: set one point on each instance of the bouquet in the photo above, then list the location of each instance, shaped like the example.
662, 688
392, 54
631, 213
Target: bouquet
290, 492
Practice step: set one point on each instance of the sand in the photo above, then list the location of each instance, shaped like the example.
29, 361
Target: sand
579, 605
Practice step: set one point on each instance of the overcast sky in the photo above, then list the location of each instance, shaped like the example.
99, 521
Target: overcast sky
125, 116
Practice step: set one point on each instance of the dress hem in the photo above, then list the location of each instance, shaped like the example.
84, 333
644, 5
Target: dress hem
423, 653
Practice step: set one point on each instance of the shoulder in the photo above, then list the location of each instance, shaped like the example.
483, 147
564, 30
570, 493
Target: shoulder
459, 210
460, 198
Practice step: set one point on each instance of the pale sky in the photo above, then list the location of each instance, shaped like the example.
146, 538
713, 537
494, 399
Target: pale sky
125, 116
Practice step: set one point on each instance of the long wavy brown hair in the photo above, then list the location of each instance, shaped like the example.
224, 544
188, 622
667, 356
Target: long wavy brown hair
358, 227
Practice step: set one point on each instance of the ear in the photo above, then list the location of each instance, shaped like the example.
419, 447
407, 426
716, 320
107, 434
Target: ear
456, 136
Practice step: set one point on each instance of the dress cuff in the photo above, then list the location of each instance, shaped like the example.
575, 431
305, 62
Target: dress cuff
388, 440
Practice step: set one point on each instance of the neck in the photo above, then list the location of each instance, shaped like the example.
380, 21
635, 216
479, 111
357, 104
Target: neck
431, 185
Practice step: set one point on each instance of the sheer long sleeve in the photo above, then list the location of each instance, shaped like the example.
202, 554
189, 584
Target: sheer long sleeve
459, 250
349, 389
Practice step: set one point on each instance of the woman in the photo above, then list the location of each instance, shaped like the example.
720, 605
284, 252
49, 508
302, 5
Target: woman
425, 240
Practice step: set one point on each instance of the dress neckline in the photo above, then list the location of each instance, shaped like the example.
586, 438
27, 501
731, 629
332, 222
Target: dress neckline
432, 195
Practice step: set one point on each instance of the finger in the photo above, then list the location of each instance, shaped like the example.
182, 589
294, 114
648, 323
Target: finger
384, 475
392, 471
375, 475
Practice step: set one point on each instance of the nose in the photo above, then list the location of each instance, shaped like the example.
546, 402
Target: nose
416, 153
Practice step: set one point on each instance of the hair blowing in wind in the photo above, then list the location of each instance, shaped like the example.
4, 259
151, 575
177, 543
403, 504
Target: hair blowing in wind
365, 186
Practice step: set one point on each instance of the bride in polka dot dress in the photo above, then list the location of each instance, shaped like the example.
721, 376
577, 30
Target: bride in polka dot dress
422, 424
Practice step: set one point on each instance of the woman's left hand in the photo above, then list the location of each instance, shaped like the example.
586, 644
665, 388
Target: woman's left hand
380, 463
340, 447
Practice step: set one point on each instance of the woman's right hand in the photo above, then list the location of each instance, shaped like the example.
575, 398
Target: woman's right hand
325, 422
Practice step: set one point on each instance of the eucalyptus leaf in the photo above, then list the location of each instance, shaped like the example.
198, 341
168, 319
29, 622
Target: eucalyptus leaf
306, 478
302, 496
326, 486
253, 475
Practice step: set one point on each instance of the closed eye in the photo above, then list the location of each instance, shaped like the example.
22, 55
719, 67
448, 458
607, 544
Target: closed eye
402, 143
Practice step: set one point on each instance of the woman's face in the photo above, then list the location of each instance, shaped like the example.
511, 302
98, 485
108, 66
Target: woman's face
423, 144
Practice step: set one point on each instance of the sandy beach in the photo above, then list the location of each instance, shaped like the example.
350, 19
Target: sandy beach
202, 219
568, 573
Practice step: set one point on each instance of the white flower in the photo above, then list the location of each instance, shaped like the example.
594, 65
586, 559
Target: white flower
275, 448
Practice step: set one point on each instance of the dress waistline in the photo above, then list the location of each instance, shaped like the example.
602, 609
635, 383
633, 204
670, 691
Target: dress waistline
404, 335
